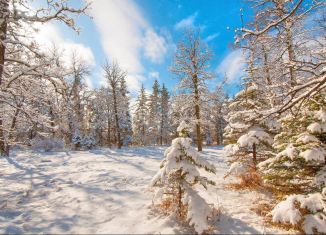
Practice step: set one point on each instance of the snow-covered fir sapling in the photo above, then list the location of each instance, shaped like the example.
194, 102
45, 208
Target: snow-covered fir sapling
247, 136
177, 178
298, 171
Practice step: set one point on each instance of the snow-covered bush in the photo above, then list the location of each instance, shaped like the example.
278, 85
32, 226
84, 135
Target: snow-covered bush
47, 144
177, 178
76, 140
81, 141
88, 142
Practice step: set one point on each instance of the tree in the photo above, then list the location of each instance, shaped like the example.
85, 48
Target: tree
153, 119
114, 75
285, 43
140, 120
177, 177
245, 133
164, 115
22, 61
191, 65
125, 120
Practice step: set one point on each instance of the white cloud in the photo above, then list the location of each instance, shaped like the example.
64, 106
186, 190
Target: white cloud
186, 23
126, 37
154, 46
212, 37
232, 65
154, 74
49, 35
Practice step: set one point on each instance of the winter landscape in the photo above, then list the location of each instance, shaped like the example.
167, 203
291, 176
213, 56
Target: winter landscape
162, 117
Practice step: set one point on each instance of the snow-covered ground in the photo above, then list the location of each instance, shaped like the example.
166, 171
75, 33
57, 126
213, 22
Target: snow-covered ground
106, 191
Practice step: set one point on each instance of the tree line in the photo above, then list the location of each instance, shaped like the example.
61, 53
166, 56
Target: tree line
45, 101
276, 132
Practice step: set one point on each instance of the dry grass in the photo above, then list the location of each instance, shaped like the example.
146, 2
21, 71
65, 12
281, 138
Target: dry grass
263, 209
249, 180
170, 205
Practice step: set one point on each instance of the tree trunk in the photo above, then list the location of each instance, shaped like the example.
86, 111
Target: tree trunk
109, 132
3, 34
254, 155
116, 116
161, 131
217, 129
197, 114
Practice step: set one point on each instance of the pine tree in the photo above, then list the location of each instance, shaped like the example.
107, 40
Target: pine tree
125, 118
247, 135
177, 177
301, 148
140, 120
298, 169
153, 119
164, 115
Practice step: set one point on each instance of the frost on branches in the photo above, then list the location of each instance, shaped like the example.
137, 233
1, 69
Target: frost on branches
299, 167
177, 177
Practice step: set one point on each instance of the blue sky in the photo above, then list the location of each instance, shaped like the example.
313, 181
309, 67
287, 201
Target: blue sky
142, 36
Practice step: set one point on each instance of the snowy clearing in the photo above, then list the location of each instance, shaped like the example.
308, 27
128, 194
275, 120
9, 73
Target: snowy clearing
106, 191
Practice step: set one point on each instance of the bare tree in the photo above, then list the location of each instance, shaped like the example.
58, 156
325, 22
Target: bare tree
191, 65
114, 75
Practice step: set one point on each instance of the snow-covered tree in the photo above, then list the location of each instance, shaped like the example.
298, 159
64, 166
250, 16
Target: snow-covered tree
288, 46
179, 175
140, 119
301, 148
246, 135
153, 118
23, 66
164, 108
125, 118
191, 64
114, 74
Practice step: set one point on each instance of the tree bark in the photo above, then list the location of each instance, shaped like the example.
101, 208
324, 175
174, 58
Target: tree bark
254, 155
109, 132
197, 114
3, 35
115, 106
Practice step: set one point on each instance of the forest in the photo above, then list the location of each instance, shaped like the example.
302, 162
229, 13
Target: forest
267, 139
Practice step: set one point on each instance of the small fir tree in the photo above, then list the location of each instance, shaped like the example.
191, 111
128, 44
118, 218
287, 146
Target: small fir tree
177, 178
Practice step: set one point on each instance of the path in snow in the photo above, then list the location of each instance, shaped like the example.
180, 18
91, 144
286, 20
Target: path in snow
105, 191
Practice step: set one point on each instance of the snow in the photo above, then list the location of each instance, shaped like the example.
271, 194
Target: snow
312, 222
287, 212
321, 115
254, 137
314, 154
316, 128
290, 151
306, 138
106, 191
237, 168
183, 126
